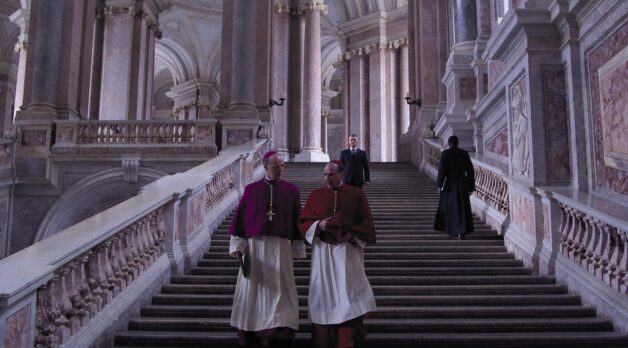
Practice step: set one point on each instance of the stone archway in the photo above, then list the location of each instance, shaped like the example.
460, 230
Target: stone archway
91, 196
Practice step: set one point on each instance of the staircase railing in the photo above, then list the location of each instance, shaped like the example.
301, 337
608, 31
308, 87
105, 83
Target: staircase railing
491, 186
74, 284
594, 240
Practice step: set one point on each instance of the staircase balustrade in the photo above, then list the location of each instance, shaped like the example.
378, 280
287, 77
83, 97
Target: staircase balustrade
64, 282
595, 245
135, 132
433, 154
491, 187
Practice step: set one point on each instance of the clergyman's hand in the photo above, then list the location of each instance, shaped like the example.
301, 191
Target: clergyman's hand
322, 225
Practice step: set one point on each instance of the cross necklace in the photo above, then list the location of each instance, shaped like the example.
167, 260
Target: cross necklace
270, 212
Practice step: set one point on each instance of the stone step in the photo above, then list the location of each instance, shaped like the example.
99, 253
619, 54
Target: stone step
409, 340
395, 325
394, 262
456, 247
382, 290
391, 280
398, 272
373, 255
387, 312
399, 300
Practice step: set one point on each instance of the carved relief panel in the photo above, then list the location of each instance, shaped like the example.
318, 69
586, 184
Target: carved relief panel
608, 85
519, 125
556, 121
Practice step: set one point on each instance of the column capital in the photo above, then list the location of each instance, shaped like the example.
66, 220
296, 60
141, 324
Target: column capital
366, 50
314, 5
21, 18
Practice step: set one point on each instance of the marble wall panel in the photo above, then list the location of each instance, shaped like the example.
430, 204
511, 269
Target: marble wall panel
546, 223
467, 88
557, 126
196, 212
498, 144
239, 136
16, 329
34, 137
522, 212
607, 116
520, 127
496, 70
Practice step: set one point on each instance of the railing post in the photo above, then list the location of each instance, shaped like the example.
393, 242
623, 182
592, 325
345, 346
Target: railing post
172, 218
552, 236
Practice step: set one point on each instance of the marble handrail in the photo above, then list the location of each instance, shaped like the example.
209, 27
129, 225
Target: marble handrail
77, 272
433, 151
491, 186
134, 132
594, 235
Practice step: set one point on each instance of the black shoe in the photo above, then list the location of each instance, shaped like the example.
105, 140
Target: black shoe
461, 237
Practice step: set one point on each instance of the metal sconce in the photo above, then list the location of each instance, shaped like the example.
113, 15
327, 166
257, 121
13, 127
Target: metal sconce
272, 102
416, 102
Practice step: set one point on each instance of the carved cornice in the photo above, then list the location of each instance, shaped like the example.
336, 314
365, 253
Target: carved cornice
366, 50
299, 10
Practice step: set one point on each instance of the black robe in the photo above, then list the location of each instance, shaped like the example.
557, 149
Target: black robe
456, 177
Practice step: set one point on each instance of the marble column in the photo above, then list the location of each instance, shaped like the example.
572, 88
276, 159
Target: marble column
125, 54
21, 18
311, 151
464, 21
6, 102
357, 95
279, 77
42, 65
459, 77
93, 105
404, 89
346, 87
378, 106
394, 98
324, 130
295, 83
245, 65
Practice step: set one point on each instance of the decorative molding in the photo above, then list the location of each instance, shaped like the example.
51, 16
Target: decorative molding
366, 50
131, 166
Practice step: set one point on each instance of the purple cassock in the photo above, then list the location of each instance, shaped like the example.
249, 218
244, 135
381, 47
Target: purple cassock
252, 216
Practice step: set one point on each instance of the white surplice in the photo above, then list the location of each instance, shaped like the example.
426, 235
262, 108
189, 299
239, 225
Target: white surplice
339, 290
268, 297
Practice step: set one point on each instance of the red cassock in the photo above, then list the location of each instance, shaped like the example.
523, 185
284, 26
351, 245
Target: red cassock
352, 213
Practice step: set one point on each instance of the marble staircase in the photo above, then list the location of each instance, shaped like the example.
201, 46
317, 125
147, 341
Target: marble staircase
431, 290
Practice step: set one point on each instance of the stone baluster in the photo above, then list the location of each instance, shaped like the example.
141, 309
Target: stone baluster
84, 291
622, 269
605, 254
60, 306
615, 254
592, 237
74, 312
45, 329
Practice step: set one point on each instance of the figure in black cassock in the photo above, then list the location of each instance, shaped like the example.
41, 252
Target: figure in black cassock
356, 164
456, 181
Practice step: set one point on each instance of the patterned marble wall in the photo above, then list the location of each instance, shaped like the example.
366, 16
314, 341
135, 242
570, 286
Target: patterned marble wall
498, 144
16, 329
522, 212
519, 126
607, 67
556, 121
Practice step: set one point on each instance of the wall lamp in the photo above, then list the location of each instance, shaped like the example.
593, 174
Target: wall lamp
272, 102
416, 102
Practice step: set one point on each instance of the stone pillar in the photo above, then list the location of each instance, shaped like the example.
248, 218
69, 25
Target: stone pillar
279, 78
459, 77
21, 17
96, 63
311, 151
394, 98
464, 21
127, 39
378, 112
245, 64
404, 80
295, 83
6, 102
324, 131
346, 88
357, 95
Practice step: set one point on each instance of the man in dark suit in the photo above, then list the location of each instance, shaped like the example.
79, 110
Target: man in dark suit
355, 163
456, 181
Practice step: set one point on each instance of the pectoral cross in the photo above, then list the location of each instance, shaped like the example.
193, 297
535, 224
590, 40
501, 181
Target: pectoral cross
270, 214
